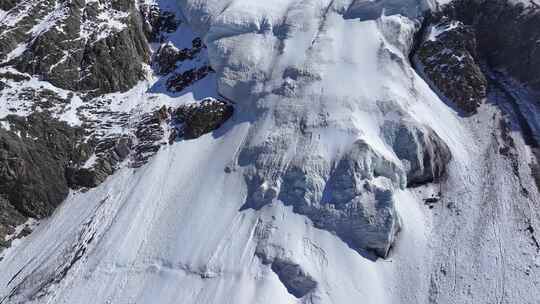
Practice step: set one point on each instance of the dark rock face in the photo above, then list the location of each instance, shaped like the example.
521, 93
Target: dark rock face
34, 157
168, 56
449, 59
201, 118
43, 99
507, 35
109, 152
6, 5
149, 133
180, 81
79, 57
468, 33
33, 164
157, 22
9, 219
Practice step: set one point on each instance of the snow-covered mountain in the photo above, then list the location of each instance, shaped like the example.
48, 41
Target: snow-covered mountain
286, 151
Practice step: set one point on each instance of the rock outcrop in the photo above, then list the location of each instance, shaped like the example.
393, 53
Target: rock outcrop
465, 35
180, 81
197, 119
7, 5
168, 56
157, 22
507, 33
10, 218
448, 58
74, 49
109, 153
35, 154
150, 132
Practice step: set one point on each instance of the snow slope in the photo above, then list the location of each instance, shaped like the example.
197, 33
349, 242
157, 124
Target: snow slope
174, 230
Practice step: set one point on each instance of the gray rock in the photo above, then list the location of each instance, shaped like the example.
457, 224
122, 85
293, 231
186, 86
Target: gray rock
9, 219
32, 165
180, 81
502, 34
158, 22
168, 56
149, 134
507, 33
6, 5
109, 152
451, 64
200, 118
92, 64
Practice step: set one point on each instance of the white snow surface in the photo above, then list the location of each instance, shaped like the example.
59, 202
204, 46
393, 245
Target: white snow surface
172, 231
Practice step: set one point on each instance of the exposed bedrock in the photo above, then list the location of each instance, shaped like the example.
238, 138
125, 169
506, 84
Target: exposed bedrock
109, 153
80, 49
34, 156
465, 34
157, 22
6, 5
507, 32
168, 56
449, 60
36, 152
197, 119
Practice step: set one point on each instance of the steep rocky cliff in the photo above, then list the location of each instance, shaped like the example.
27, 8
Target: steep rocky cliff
60, 131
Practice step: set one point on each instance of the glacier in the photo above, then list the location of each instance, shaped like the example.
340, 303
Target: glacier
314, 191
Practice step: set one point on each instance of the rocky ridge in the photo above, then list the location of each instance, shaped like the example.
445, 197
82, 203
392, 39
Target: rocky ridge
108, 43
463, 39
94, 47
